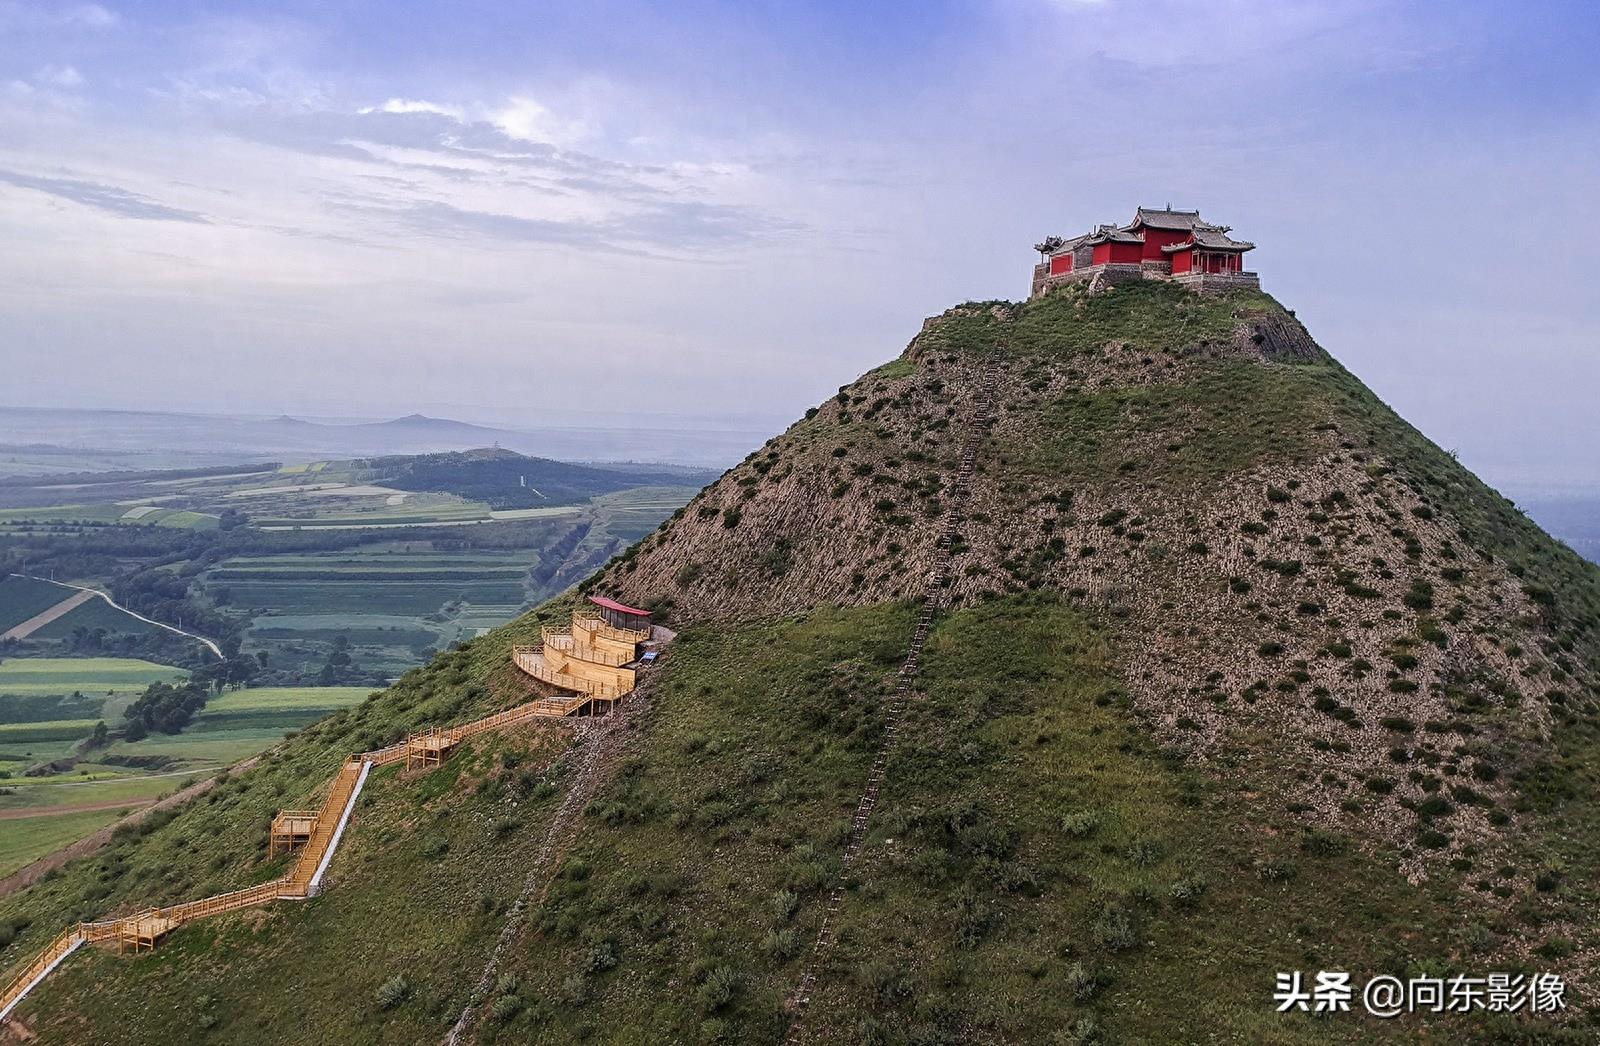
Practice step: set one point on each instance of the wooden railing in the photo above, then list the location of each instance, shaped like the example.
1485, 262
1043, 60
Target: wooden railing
59, 949
297, 883
531, 660
593, 622
231, 901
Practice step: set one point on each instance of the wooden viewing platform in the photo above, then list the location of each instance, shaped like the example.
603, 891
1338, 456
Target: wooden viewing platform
141, 932
290, 829
430, 748
597, 657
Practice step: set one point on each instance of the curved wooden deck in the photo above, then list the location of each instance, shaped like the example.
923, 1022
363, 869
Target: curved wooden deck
143, 930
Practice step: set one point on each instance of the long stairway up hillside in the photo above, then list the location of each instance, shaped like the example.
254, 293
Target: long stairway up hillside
143, 930
934, 598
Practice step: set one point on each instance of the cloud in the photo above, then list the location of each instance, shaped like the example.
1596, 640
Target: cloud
407, 105
528, 120
109, 198
59, 76
91, 16
669, 226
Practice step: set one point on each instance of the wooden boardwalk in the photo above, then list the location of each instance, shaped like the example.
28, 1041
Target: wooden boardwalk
316, 832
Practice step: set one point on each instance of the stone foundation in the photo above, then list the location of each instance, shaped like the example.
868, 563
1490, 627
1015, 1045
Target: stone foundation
1113, 273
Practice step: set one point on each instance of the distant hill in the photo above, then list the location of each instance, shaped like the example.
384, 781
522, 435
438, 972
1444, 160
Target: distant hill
145, 439
505, 479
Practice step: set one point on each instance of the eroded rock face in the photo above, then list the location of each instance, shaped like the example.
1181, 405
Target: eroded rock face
1276, 335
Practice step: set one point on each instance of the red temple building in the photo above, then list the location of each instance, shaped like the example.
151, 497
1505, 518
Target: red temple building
1158, 244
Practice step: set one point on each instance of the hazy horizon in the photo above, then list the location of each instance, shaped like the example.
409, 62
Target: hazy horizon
504, 215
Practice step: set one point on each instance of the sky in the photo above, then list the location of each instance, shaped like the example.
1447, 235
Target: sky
528, 214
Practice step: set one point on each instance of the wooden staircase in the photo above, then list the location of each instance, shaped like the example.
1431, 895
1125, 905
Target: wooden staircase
143, 930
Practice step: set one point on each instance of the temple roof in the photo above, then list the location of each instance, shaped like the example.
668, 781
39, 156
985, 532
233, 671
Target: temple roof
1165, 219
1112, 234
1071, 243
1211, 238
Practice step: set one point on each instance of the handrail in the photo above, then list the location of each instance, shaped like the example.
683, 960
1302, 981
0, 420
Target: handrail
541, 670
329, 820
594, 622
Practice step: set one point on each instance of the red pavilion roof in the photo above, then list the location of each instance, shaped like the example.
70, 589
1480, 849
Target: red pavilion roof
612, 604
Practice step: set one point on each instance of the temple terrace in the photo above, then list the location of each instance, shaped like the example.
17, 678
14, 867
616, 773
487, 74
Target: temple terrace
1158, 244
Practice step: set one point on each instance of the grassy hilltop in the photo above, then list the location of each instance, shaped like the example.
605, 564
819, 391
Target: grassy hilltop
1241, 674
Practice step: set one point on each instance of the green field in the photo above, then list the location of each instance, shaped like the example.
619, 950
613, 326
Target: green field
240, 723
23, 597
88, 675
25, 839
232, 726
31, 793
96, 613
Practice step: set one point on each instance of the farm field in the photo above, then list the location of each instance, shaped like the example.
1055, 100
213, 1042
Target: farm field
23, 794
89, 675
92, 614
323, 573
42, 813
25, 839
23, 597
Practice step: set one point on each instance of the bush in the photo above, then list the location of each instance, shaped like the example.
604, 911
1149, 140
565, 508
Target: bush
1080, 825
719, 988
1275, 869
1084, 982
784, 904
780, 945
504, 1008
393, 992
1117, 928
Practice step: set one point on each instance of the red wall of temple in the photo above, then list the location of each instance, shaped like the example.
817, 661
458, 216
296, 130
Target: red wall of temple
1182, 261
1060, 263
1116, 252
1155, 239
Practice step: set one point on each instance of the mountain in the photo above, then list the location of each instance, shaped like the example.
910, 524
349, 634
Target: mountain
1066, 679
505, 479
148, 439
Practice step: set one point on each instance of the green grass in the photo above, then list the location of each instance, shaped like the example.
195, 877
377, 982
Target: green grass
92, 614
286, 698
24, 597
25, 839
15, 735
63, 675
27, 793
1229, 417
758, 744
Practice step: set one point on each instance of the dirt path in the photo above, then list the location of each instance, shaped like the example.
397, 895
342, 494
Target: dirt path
20, 812
44, 617
29, 874
92, 592
601, 744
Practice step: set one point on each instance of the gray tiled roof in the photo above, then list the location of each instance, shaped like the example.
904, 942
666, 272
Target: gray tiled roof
1112, 234
1212, 237
1158, 218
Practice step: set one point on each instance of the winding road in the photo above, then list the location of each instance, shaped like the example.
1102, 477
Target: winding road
84, 595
